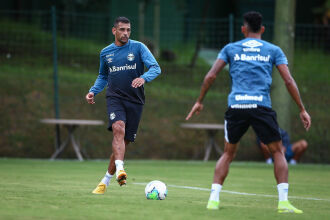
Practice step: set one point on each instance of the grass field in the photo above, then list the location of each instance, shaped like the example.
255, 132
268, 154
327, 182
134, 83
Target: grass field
41, 189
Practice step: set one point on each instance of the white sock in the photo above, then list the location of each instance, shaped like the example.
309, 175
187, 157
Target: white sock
269, 161
293, 162
119, 165
215, 192
106, 179
283, 189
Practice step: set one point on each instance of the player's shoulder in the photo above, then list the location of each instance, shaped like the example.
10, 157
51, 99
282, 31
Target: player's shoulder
108, 48
136, 43
270, 46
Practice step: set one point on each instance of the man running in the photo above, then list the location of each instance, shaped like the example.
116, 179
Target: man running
122, 69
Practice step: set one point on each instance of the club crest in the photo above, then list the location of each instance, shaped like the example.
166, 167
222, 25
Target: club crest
130, 57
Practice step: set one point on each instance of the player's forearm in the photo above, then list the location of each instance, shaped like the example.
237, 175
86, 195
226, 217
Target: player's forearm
152, 73
207, 83
294, 92
290, 85
99, 84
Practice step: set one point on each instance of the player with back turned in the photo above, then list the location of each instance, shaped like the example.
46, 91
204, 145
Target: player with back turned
251, 62
122, 69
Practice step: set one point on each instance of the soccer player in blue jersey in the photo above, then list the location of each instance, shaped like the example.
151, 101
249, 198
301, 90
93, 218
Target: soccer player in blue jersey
251, 61
122, 70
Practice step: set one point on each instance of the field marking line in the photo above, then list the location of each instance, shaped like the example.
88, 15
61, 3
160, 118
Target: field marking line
240, 193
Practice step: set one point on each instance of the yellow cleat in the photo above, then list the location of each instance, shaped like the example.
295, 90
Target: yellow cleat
100, 189
286, 207
121, 177
213, 205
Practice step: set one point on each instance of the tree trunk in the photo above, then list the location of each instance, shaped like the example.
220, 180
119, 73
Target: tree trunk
283, 37
200, 34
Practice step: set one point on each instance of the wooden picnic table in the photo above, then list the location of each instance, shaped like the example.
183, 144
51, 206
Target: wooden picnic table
211, 130
71, 125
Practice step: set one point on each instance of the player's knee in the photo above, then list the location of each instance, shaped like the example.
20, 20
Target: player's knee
304, 144
118, 128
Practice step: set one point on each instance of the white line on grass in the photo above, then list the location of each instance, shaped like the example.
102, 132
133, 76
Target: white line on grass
240, 193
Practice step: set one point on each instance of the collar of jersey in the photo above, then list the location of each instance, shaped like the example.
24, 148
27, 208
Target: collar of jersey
123, 45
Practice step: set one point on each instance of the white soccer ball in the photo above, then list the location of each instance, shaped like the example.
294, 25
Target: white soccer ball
156, 190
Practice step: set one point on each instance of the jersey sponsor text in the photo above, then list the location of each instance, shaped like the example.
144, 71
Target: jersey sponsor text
248, 98
122, 68
258, 57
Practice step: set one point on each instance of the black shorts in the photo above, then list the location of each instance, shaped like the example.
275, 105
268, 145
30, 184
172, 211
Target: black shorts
126, 111
262, 119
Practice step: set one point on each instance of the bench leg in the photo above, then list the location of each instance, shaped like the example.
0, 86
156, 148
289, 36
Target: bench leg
217, 148
60, 149
208, 148
75, 145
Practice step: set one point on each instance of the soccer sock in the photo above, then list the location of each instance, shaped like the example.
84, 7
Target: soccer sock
119, 165
293, 162
106, 179
283, 189
215, 192
269, 161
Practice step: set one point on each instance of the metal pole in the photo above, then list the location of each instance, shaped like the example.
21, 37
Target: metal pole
156, 27
141, 20
55, 78
231, 27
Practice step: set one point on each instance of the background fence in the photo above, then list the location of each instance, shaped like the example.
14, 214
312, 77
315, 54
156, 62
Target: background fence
26, 70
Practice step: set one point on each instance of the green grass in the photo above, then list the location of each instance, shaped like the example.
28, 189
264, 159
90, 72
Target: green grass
41, 189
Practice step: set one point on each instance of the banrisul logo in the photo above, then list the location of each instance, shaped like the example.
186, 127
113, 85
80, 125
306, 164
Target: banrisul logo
122, 68
130, 57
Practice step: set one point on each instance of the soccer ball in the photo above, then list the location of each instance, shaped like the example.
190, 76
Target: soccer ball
156, 190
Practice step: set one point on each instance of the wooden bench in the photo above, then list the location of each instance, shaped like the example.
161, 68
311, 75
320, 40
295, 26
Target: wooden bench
71, 126
211, 130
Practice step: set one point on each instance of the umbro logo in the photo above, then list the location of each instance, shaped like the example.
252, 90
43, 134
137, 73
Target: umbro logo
112, 116
252, 43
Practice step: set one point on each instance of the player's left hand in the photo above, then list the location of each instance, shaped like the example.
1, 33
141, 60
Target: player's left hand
138, 82
306, 119
196, 109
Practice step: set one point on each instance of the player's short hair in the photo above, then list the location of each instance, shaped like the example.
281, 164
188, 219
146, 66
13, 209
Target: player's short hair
122, 20
254, 21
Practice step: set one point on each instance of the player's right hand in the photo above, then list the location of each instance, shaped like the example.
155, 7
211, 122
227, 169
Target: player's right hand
306, 119
90, 98
196, 109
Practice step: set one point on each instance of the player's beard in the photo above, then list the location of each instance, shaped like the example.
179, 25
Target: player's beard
123, 40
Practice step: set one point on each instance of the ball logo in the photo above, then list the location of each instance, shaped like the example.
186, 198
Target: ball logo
112, 116
130, 57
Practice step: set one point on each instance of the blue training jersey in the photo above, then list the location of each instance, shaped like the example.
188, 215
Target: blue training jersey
251, 63
119, 66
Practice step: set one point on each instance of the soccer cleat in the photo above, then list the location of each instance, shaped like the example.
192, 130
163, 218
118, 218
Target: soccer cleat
213, 205
121, 177
286, 207
100, 189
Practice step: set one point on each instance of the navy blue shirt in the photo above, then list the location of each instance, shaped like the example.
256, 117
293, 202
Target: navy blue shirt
251, 63
119, 66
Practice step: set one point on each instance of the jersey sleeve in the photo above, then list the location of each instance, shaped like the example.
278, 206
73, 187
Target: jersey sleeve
223, 54
151, 64
280, 57
102, 79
